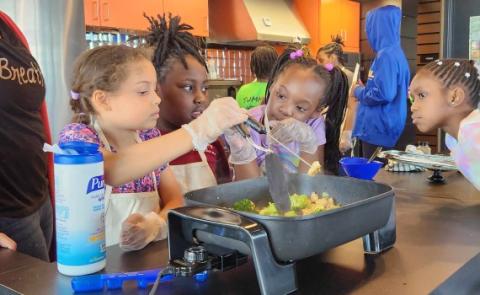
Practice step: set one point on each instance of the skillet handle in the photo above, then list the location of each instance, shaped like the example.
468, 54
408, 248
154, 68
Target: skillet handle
225, 228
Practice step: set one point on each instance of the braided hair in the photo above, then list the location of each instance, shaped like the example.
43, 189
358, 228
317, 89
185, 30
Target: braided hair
172, 41
262, 61
335, 47
461, 72
333, 105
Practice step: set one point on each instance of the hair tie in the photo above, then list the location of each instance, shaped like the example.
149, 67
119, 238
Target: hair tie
296, 54
329, 67
74, 95
467, 75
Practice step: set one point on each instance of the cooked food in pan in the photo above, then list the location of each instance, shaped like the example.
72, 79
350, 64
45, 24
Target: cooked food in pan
300, 205
314, 169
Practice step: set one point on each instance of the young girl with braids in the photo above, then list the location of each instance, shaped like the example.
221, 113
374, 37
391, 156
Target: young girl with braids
446, 94
116, 106
305, 107
182, 85
332, 53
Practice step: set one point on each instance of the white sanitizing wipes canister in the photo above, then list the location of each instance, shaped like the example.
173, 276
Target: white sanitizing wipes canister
79, 209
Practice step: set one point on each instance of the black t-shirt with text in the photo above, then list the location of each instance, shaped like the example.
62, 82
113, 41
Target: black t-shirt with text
23, 164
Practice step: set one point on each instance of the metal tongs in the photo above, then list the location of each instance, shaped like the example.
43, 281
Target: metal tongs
260, 128
252, 123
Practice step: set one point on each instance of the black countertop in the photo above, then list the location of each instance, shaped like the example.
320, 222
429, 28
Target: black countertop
437, 233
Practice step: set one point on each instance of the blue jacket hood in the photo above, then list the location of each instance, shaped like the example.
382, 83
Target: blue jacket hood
383, 27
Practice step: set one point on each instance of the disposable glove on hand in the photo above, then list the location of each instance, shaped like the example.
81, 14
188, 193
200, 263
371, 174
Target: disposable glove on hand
346, 141
222, 114
241, 152
290, 130
138, 230
7, 242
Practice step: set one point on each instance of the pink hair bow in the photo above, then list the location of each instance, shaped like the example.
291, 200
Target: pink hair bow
296, 54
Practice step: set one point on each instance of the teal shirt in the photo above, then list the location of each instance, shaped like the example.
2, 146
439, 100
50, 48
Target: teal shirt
252, 94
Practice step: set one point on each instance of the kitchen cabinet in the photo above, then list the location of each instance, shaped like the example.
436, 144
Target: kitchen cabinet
125, 14
121, 13
92, 12
340, 17
128, 14
326, 18
194, 13
351, 26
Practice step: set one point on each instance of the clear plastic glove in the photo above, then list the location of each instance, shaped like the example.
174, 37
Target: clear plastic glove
346, 141
222, 114
290, 130
241, 152
138, 230
6, 242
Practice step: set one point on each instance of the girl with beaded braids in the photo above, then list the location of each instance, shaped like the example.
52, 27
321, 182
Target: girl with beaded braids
113, 96
182, 85
305, 107
446, 94
333, 53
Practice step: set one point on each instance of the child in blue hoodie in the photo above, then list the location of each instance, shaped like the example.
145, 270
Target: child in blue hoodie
382, 108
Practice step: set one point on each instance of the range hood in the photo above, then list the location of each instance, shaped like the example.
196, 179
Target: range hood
251, 22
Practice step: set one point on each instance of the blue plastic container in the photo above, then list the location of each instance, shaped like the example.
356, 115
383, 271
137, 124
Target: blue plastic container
79, 209
359, 168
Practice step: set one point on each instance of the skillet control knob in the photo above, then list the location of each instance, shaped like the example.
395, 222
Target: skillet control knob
195, 254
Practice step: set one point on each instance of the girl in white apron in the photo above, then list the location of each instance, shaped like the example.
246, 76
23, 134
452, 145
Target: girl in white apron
119, 206
113, 97
182, 84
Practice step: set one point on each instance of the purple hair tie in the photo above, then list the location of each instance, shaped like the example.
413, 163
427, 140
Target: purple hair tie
296, 54
329, 67
74, 95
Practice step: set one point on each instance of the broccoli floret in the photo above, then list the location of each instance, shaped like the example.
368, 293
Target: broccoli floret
290, 213
298, 202
317, 209
270, 210
245, 205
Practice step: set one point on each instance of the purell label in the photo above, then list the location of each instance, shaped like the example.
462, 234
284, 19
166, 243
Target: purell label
79, 197
95, 183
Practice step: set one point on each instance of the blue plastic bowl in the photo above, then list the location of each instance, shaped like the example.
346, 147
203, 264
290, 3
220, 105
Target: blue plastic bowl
359, 168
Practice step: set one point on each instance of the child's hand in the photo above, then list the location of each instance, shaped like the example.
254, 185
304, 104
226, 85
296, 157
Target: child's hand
222, 114
138, 230
6, 242
290, 130
346, 141
354, 86
241, 152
